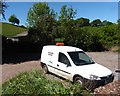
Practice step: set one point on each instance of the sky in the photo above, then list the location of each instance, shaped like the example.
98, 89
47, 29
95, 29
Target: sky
91, 10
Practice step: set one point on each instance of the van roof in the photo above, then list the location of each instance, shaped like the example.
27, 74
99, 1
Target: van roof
62, 48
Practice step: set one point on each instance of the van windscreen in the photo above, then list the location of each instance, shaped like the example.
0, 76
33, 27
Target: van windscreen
80, 58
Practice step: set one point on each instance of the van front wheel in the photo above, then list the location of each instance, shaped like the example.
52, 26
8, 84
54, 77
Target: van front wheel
78, 80
45, 69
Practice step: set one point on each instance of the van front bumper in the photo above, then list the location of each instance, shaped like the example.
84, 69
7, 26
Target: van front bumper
91, 84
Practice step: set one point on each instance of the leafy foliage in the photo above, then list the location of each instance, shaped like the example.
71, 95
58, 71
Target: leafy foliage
105, 23
118, 21
66, 14
41, 21
34, 82
39, 14
44, 28
3, 7
96, 23
13, 19
80, 22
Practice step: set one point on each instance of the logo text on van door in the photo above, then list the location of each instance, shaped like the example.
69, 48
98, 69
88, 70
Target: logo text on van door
50, 53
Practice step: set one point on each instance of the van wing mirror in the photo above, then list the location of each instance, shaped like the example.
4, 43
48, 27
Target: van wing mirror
68, 65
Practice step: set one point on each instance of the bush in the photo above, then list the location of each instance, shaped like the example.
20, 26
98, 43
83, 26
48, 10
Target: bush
34, 82
87, 38
97, 38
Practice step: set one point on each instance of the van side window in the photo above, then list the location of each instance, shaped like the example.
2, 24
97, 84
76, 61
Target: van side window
63, 59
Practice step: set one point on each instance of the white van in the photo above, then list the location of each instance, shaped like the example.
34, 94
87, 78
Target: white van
75, 65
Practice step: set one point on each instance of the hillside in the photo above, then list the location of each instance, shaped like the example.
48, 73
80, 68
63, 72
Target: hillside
9, 30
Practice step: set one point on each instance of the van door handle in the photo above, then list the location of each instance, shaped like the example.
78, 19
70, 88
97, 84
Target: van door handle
57, 65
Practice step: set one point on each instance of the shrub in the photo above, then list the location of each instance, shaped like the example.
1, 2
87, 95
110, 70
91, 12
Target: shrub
34, 82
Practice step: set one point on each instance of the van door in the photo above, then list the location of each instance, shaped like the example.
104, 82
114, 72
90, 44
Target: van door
63, 67
50, 61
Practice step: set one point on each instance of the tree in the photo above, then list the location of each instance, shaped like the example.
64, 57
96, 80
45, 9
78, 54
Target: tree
105, 22
67, 14
63, 13
3, 6
118, 21
39, 13
13, 19
96, 23
82, 22
66, 27
17, 21
42, 20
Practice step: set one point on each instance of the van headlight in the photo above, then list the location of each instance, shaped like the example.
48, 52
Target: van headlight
94, 77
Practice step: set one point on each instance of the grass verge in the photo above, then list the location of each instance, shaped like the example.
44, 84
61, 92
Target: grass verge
9, 30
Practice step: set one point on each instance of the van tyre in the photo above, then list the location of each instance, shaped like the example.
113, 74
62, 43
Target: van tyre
41, 64
82, 83
79, 80
45, 69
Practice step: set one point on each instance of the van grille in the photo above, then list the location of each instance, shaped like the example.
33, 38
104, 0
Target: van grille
105, 77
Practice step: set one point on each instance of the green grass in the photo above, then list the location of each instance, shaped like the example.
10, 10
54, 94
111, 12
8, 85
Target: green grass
9, 30
34, 82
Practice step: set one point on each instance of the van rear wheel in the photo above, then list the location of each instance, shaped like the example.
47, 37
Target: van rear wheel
45, 69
